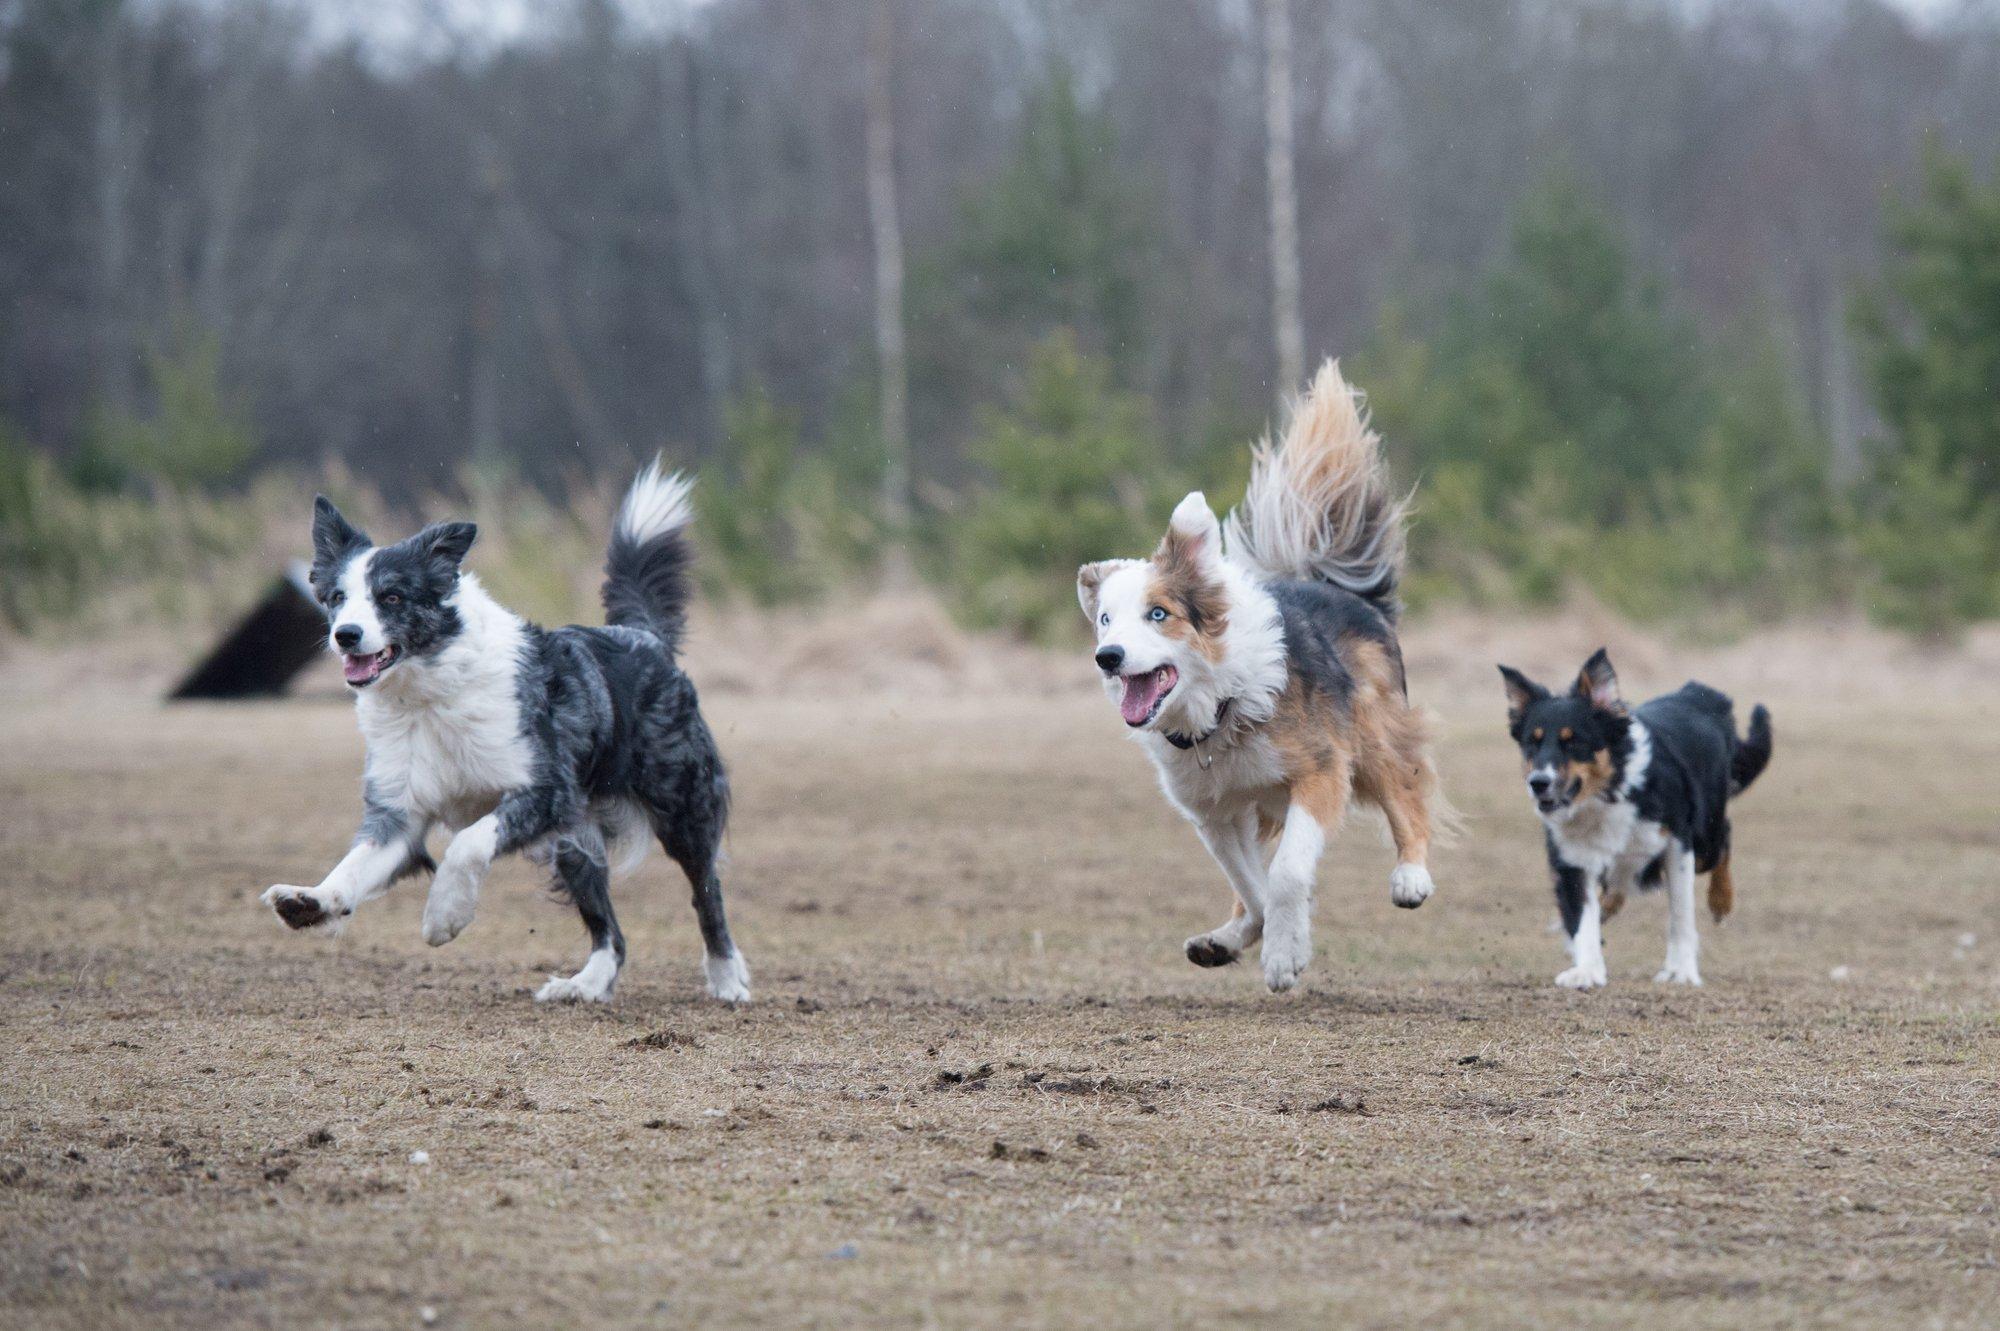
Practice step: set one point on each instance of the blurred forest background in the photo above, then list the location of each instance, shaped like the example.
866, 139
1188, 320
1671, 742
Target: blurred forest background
1693, 308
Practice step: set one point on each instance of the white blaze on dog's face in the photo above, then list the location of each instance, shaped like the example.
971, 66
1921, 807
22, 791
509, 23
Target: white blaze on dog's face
1159, 621
354, 613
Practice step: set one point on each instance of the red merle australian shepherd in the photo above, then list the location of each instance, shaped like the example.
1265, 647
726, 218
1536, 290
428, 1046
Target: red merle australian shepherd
1258, 665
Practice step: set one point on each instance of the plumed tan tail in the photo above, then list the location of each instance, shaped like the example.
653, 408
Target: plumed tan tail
1319, 506
646, 568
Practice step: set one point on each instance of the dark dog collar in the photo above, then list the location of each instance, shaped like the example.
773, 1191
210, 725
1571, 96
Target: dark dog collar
1183, 742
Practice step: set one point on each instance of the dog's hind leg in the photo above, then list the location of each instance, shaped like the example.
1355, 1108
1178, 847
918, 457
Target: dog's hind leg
1683, 942
689, 826
1233, 843
1721, 889
582, 872
1403, 797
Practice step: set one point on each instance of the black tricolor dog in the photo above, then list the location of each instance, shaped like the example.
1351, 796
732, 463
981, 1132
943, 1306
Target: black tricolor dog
571, 745
1633, 799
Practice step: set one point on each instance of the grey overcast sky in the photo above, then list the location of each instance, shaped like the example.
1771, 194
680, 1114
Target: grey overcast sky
409, 27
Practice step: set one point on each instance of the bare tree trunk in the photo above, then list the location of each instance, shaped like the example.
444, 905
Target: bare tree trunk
113, 166
483, 390
695, 212
892, 365
1288, 329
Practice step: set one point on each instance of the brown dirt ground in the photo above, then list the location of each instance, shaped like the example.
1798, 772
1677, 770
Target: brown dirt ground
980, 1086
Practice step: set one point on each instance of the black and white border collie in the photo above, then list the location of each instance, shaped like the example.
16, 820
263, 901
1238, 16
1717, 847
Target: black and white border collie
1263, 676
1631, 800
571, 745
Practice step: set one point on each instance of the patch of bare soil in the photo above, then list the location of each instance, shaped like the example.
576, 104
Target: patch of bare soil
980, 1085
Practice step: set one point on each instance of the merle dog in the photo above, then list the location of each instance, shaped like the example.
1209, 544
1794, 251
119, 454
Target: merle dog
570, 745
1632, 799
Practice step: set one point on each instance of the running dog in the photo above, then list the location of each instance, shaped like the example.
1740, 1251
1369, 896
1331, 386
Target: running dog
1258, 666
570, 745
1631, 800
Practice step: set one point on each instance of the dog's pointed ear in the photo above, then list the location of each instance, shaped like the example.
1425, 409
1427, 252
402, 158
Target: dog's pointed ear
447, 541
1597, 683
334, 535
1090, 582
1193, 535
1521, 691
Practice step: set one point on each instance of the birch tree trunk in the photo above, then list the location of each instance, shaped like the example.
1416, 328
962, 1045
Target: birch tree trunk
892, 365
1288, 330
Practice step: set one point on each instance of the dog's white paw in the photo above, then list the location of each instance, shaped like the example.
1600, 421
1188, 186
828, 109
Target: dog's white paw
1678, 973
1582, 977
592, 984
304, 908
572, 989
1286, 953
728, 978
446, 914
1410, 886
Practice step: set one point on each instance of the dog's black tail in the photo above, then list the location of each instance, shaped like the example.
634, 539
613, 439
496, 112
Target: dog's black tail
646, 571
1753, 752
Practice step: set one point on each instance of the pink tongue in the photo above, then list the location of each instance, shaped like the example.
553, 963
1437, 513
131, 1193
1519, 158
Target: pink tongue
358, 668
1140, 693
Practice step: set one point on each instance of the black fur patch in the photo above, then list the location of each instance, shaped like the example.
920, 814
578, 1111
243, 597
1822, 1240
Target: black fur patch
1316, 617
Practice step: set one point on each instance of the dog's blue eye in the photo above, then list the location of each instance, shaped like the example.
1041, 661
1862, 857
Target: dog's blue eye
1158, 615
1104, 618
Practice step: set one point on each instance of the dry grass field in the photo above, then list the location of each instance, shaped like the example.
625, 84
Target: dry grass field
979, 1085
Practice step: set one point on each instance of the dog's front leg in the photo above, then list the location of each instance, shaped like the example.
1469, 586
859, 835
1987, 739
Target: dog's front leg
1578, 893
388, 848
1232, 840
521, 818
1319, 799
454, 894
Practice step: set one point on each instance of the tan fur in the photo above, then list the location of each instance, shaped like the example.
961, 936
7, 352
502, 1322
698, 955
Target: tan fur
1721, 890
1593, 778
1319, 504
1197, 603
1611, 902
1380, 756
1392, 759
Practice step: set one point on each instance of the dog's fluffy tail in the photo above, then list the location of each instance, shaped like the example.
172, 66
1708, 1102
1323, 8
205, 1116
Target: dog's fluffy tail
1319, 506
1753, 752
646, 571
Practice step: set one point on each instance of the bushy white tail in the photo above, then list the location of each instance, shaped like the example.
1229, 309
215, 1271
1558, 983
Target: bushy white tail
646, 568
1319, 506
657, 503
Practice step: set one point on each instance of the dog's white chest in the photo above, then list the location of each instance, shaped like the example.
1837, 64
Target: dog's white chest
1211, 778
449, 760
1598, 834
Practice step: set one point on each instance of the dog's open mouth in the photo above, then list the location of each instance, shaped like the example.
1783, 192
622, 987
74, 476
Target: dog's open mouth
361, 671
1145, 693
1560, 799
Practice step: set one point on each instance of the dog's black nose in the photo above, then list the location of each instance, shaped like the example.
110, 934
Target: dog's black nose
1110, 658
347, 637
1540, 783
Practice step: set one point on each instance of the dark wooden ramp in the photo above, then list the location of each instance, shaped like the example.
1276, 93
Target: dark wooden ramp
280, 636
